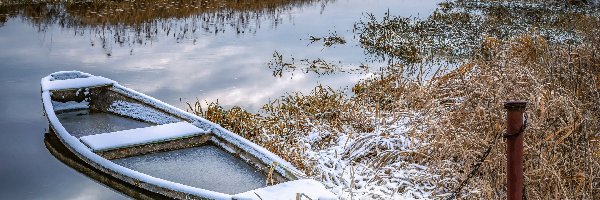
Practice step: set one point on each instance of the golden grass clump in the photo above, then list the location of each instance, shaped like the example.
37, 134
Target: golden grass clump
561, 85
461, 112
284, 121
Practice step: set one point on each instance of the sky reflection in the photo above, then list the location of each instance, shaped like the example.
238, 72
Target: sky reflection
229, 67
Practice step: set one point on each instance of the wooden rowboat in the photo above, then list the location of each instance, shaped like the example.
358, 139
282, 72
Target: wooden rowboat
159, 148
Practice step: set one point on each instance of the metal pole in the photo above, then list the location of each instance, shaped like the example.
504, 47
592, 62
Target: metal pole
515, 125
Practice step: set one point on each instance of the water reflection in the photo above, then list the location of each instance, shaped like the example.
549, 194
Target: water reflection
457, 29
62, 153
228, 66
142, 22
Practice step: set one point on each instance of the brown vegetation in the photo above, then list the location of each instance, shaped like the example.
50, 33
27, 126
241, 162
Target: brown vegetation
460, 115
135, 13
284, 121
140, 22
563, 118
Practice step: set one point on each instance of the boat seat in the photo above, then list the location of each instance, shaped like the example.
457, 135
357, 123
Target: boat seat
94, 81
140, 136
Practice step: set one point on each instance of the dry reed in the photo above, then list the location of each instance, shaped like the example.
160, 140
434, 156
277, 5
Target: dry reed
453, 118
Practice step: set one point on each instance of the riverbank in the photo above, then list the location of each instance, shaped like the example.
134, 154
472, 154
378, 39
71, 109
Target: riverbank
409, 134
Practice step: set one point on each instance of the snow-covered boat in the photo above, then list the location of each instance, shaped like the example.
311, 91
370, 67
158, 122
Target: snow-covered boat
159, 148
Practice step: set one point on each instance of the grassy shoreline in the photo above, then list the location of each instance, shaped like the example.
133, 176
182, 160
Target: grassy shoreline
433, 132
404, 135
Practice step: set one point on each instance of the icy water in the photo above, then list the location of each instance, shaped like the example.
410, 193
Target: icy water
82, 123
226, 65
207, 167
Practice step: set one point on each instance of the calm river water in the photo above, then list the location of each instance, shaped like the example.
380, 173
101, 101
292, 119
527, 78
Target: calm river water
227, 66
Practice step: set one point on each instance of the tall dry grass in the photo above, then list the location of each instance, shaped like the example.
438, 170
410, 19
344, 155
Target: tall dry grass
460, 114
454, 117
283, 122
464, 115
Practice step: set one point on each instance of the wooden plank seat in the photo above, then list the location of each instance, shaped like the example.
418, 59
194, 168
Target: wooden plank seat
141, 136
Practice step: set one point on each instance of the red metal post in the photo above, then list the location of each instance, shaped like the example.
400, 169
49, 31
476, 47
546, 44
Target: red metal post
515, 125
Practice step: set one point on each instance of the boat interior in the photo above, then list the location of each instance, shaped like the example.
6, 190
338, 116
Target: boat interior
159, 142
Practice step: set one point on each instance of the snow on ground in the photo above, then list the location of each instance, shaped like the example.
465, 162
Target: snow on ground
355, 166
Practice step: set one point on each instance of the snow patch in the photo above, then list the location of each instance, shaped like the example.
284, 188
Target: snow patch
141, 112
75, 83
289, 190
138, 136
351, 168
64, 75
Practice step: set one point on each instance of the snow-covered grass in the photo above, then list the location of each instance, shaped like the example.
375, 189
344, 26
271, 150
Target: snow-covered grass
355, 149
371, 165
402, 135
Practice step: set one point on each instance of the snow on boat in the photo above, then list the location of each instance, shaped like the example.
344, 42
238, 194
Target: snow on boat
159, 148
